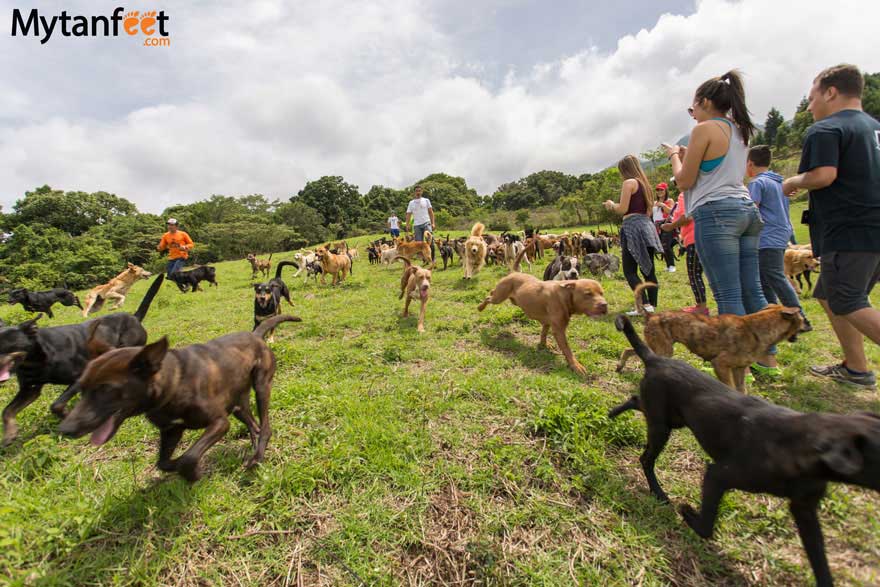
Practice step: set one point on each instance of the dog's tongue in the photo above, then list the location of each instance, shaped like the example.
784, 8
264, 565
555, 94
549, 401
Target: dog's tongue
423, 293
4, 374
104, 432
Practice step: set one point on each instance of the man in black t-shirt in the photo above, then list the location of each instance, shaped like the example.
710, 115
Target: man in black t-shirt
840, 166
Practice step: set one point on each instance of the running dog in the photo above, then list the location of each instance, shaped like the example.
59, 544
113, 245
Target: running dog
189, 280
415, 283
267, 298
336, 265
302, 261
115, 289
42, 301
388, 255
552, 303
474, 251
798, 263
259, 265
194, 387
422, 249
446, 252
731, 343
755, 446
58, 355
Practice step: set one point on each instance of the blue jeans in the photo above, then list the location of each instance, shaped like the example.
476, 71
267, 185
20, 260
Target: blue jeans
727, 233
420, 229
395, 232
174, 265
775, 284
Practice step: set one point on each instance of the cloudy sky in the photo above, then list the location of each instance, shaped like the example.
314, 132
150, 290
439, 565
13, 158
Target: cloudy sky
262, 96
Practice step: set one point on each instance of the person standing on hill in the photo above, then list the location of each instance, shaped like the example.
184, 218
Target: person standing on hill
766, 191
394, 225
664, 206
421, 214
178, 244
695, 270
840, 166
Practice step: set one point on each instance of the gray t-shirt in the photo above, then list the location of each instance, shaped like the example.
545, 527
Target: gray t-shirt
725, 180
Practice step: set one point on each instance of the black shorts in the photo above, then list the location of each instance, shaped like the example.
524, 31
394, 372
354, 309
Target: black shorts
846, 279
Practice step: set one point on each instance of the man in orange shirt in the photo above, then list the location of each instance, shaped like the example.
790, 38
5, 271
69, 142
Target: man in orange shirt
178, 244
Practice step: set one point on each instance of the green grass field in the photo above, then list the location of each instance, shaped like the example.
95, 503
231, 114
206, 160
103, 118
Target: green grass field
461, 456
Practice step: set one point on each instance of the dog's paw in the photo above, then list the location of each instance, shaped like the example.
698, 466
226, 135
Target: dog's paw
693, 519
189, 469
579, 369
167, 466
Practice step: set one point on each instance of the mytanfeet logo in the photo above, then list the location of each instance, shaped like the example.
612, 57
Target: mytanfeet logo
151, 25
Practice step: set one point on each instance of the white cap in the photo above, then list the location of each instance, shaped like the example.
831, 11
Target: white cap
172, 221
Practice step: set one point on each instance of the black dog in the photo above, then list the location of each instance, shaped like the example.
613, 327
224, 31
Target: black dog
562, 268
267, 297
373, 253
42, 301
189, 280
594, 244
58, 355
756, 446
446, 251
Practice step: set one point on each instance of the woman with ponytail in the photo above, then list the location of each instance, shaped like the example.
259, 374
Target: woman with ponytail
727, 222
638, 236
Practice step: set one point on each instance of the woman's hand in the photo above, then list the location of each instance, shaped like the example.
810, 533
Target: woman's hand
671, 149
609, 204
667, 227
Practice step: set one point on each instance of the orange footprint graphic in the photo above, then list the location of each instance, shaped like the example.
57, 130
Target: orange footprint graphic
130, 23
148, 22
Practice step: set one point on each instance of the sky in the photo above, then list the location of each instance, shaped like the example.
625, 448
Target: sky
263, 96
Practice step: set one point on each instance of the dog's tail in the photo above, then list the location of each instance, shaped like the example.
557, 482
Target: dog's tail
270, 256
642, 350
282, 265
141, 312
478, 229
270, 323
640, 307
406, 261
632, 403
519, 256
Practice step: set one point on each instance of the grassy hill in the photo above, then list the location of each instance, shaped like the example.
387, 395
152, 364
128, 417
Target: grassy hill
461, 456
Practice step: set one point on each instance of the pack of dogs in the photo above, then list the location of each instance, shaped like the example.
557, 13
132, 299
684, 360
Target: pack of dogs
754, 445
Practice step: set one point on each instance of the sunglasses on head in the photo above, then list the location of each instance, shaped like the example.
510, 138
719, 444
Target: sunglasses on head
691, 110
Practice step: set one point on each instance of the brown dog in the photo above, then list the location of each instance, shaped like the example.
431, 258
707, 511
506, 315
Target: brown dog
194, 387
731, 343
552, 303
474, 251
415, 283
259, 265
411, 249
115, 289
336, 265
799, 262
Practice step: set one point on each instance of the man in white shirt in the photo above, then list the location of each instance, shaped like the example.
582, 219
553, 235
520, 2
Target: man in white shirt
394, 225
421, 214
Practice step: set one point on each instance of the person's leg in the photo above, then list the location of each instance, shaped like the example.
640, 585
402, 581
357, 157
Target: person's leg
851, 340
695, 276
749, 272
767, 266
419, 232
717, 234
652, 293
630, 268
866, 321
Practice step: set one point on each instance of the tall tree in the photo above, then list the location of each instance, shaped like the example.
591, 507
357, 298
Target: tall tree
772, 124
336, 200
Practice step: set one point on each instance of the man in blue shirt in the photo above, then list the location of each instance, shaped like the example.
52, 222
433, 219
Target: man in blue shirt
840, 166
766, 191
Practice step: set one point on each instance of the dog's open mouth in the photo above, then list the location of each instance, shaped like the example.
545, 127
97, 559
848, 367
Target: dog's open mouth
423, 292
103, 433
5, 372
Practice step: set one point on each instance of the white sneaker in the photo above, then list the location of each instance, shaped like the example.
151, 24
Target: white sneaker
633, 313
649, 309
671, 269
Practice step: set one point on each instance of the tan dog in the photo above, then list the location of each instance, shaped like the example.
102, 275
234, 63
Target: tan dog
336, 265
552, 303
731, 343
411, 249
415, 283
799, 262
388, 256
259, 265
115, 289
354, 253
474, 251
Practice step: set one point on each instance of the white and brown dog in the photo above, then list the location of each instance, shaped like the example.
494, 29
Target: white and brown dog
474, 251
415, 283
115, 289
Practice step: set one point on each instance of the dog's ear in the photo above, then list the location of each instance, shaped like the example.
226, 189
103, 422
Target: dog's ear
149, 360
94, 345
788, 312
841, 454
29, 327
257, 286
569, 284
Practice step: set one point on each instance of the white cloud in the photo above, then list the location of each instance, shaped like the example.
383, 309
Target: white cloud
378, 93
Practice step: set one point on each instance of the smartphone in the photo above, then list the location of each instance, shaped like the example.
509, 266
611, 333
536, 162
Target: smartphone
666, 145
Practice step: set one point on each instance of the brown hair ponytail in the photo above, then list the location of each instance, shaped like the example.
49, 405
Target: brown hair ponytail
630, 168
727, 94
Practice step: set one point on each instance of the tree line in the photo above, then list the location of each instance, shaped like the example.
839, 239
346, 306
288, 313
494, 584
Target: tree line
76, 239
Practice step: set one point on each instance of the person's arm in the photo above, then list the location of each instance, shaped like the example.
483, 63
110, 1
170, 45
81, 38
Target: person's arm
188, 243
814, 179
677, 223
163, 244
626, 191
755, 191
686, 160
408, 218
431, 214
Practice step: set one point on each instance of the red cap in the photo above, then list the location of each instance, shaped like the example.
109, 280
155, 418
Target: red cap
662, 186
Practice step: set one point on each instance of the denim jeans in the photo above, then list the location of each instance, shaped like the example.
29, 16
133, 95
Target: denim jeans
420, 229
727, 233
775, 284
174, 265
